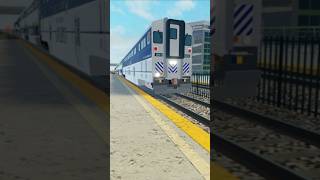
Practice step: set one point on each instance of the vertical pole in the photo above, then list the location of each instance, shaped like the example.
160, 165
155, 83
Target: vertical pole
297, 75
197, 84
310, 75
317, 81
271, 41
264, 67
285, 69
304, 73
280, 72
275, 71
291, 69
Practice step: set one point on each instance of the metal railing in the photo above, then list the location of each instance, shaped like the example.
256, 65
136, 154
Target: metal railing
294, 31
201, 84
290, 68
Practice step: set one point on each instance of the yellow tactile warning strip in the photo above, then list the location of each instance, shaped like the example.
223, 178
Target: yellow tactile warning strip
93, 93
201, 165
219, 173
196, 133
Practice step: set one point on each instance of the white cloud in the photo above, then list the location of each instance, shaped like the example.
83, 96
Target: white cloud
141, 8
116, 9
180, 7
118, 30
119, 43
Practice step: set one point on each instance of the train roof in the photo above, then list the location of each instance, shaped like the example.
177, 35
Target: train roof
144, 34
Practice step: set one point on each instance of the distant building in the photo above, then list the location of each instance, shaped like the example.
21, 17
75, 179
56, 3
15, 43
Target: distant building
200, 46
283, 13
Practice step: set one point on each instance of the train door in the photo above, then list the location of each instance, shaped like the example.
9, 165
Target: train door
187, 61
175, 35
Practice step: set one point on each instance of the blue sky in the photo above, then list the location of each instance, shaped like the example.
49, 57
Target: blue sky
131, 18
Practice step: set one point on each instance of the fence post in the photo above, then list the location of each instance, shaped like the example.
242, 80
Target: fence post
304, 74
310, 80
275, 71
316, 111
197, 83
297, 75
280, 72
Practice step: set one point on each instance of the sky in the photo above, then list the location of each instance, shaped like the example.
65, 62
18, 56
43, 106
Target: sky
129, 19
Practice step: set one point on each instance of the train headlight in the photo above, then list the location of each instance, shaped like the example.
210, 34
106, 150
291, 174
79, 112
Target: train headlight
173, 62
157, 74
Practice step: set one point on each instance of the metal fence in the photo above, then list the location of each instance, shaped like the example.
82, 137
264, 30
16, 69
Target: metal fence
201, 84
294, 31
290, 72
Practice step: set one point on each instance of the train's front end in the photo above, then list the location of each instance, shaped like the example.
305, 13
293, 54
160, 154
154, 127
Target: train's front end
168, 55
236, 39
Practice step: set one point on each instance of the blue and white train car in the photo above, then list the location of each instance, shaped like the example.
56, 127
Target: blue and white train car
27, 25
74, 31
77, 32
157, 61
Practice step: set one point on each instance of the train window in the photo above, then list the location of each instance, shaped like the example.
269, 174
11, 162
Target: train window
143, 43
157, 37
148, 38
173, 33
188, 40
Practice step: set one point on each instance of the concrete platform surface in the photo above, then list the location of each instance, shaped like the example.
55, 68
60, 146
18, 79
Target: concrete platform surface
43, 135
140, 148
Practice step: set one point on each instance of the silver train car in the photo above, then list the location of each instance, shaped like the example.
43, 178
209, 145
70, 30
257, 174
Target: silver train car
76, 32
161, 59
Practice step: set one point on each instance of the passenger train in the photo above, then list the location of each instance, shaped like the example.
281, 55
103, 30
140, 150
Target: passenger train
76, 32
161, 59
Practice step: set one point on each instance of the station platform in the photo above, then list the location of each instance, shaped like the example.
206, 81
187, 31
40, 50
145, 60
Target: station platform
48, 128
146, 144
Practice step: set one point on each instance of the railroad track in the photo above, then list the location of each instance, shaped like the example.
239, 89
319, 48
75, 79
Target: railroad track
186, 111
194, 100
264, 145
242, 143
277, 124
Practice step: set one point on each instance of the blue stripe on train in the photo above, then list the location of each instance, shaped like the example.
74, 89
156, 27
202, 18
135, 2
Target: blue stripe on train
173, 69
159, 66
186, 67
243, 20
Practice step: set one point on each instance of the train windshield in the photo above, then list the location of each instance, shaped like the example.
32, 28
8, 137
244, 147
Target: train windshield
188, 40
157, 37
173, 33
